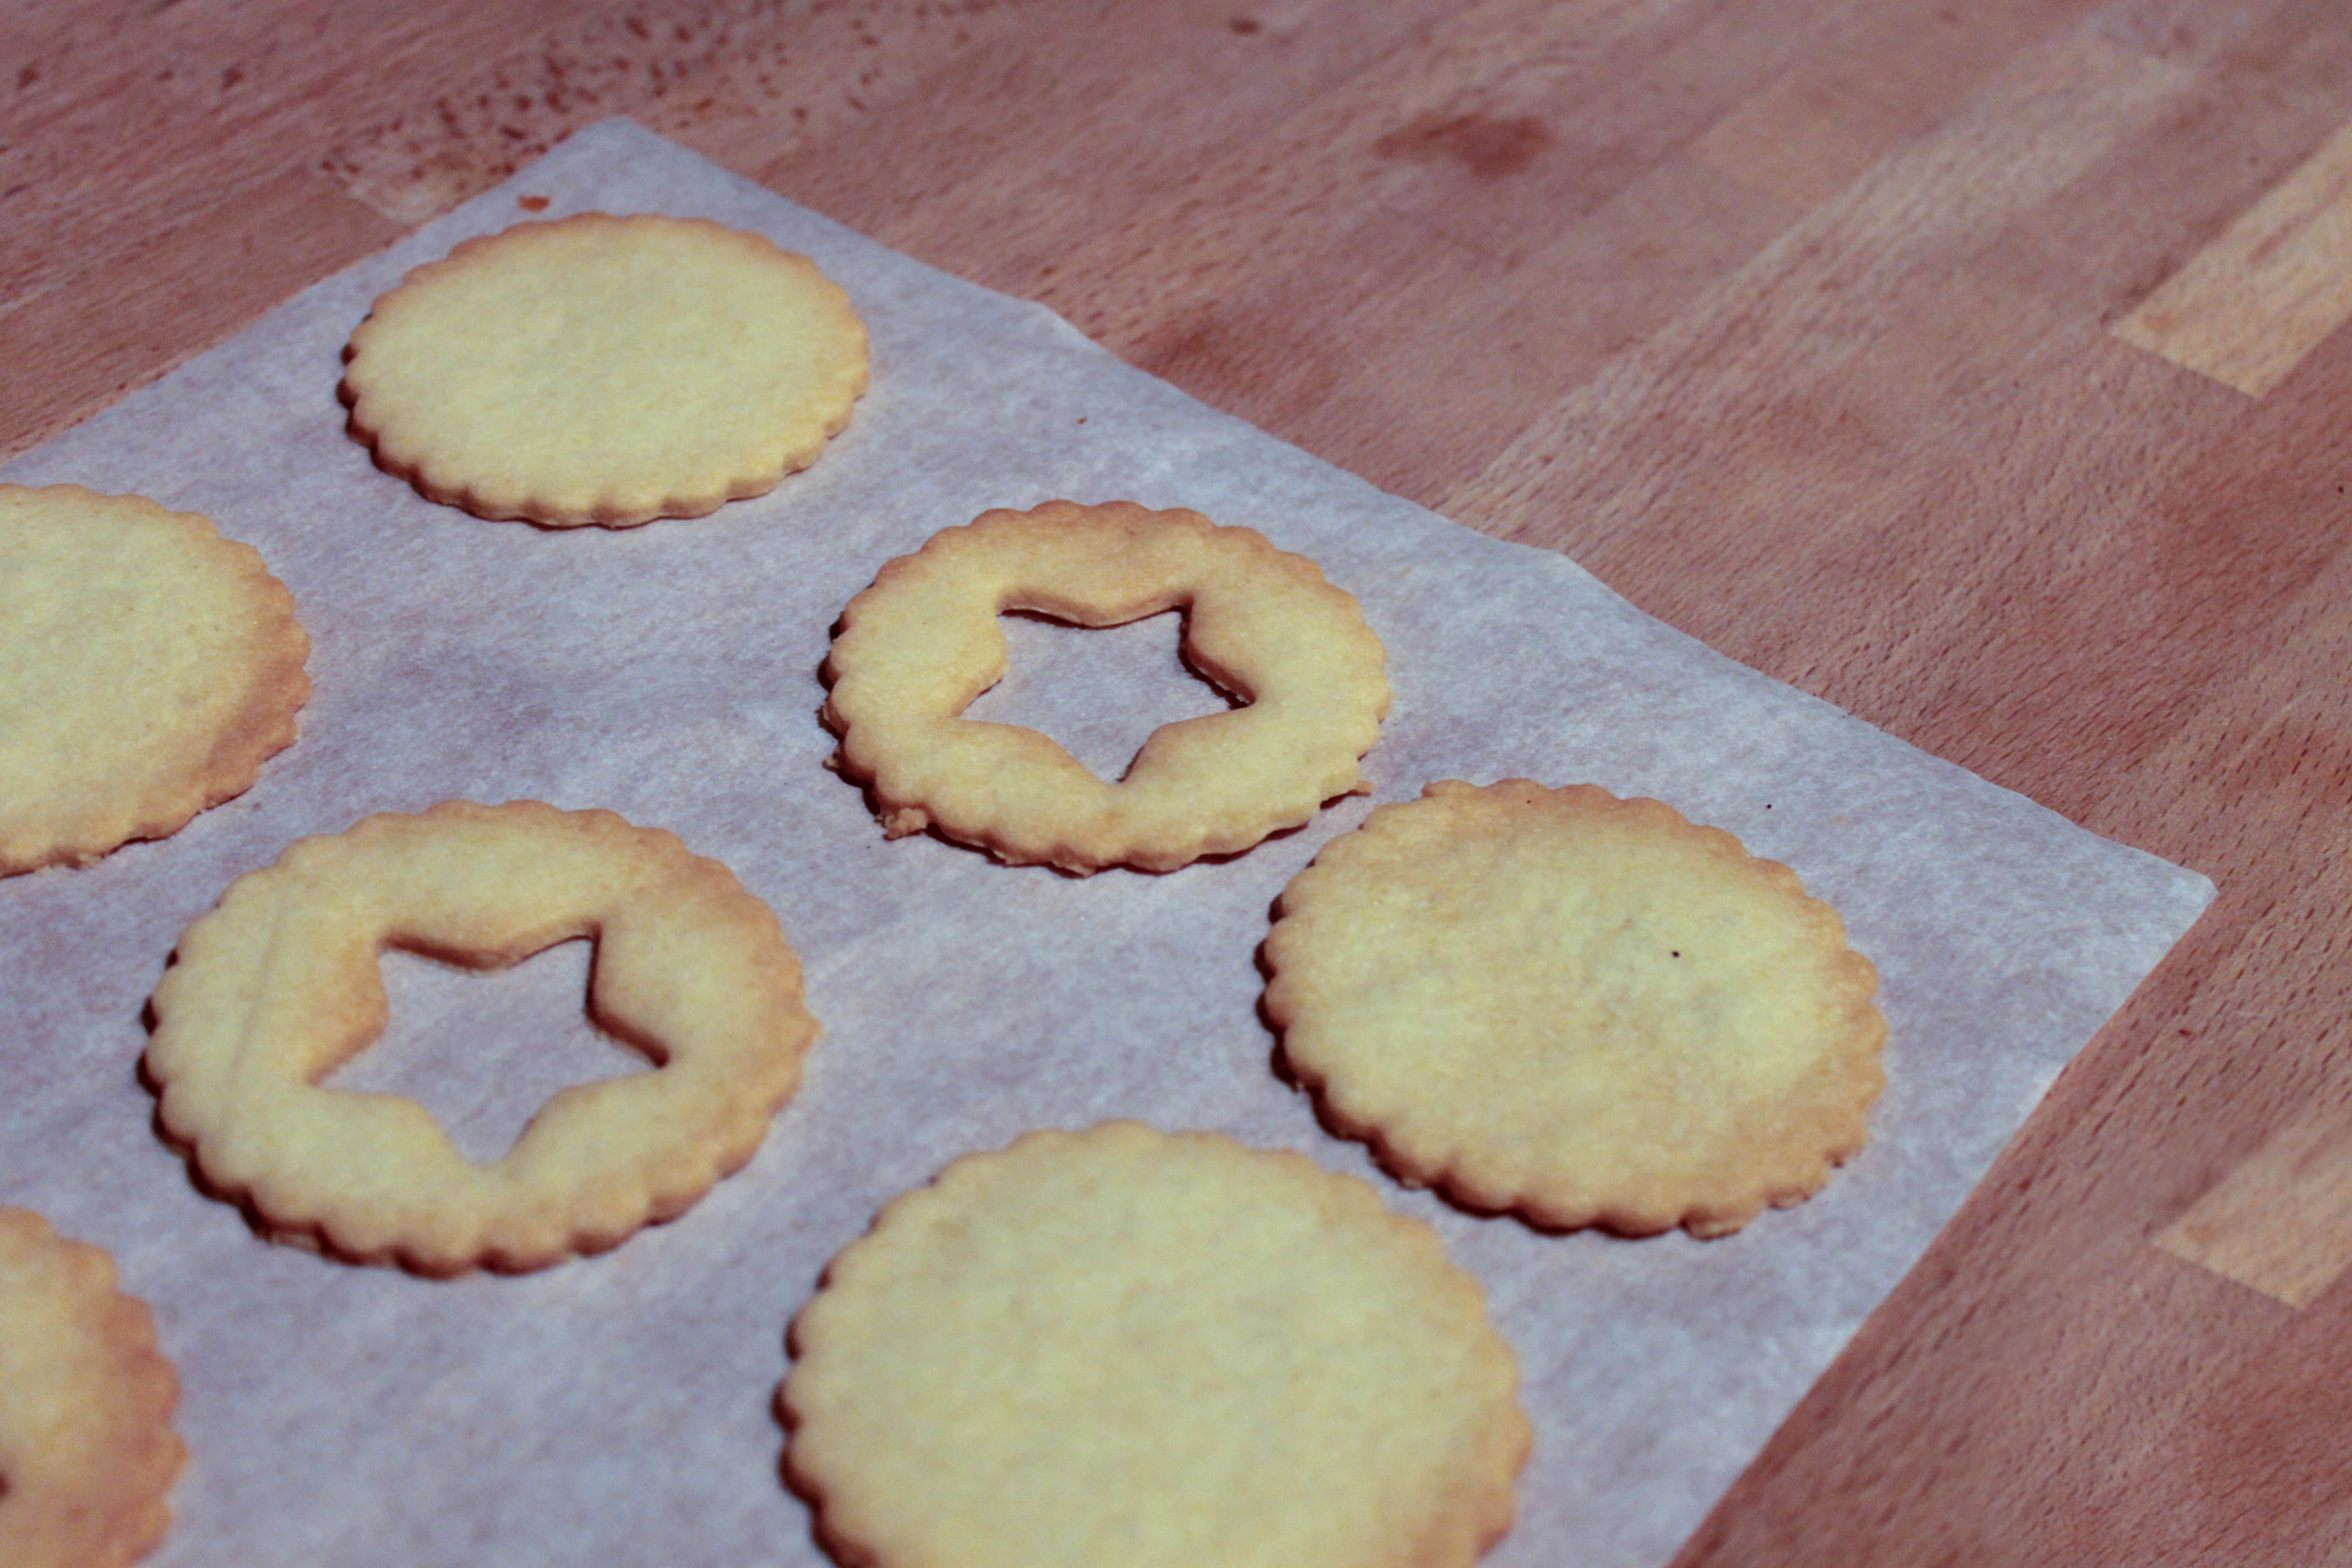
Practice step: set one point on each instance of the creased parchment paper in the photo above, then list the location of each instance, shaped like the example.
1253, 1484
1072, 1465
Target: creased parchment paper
618, 1410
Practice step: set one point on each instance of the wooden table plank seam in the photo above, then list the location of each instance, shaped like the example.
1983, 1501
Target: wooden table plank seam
2247, 309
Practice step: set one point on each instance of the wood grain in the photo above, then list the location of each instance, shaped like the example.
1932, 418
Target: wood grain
2249, 306
2282, 1222
1819, 328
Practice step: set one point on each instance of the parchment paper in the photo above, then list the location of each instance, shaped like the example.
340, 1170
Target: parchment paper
617, 1410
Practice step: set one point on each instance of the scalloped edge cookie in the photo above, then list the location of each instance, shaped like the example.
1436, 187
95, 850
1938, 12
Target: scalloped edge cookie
1261, 624
1162, 1351
280, 985
87, 1451
151, 668
604, 370
1586, 1010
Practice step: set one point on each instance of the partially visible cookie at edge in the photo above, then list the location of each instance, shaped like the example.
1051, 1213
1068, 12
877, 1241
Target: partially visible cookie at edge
1155, 1349
604, 370
1587, 1010
87, 1451
148, 669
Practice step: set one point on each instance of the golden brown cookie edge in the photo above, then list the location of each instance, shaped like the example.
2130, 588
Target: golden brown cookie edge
1481, 1515
397, 452
265, 724
141, 1512
296, 1217
1843, 1129
903, 807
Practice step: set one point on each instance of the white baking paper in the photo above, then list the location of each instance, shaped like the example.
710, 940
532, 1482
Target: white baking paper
617, 1410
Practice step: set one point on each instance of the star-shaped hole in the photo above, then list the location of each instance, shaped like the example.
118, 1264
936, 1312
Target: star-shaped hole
483, 1051
1098, 691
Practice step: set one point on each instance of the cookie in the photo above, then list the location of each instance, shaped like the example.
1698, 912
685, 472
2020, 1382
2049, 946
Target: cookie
917, 647
87, 1451
605, 370
280, 985
1124, 1346
148, 668
1584, 1009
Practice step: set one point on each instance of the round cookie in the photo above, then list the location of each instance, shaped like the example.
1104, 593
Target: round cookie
148, 668
1584, 1009
280, 985
87, 1451
1158, 1351
1264, 625
605, 370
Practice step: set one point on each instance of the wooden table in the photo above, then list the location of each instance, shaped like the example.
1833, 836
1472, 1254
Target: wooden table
1969, 366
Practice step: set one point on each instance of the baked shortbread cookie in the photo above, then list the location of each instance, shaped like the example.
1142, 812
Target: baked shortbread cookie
605, 370
1263, 625
87, 1451
148, 668
1584, 1009
280, 985
1121, 1346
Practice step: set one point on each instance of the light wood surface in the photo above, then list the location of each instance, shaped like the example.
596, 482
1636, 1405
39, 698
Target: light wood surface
1976, 367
